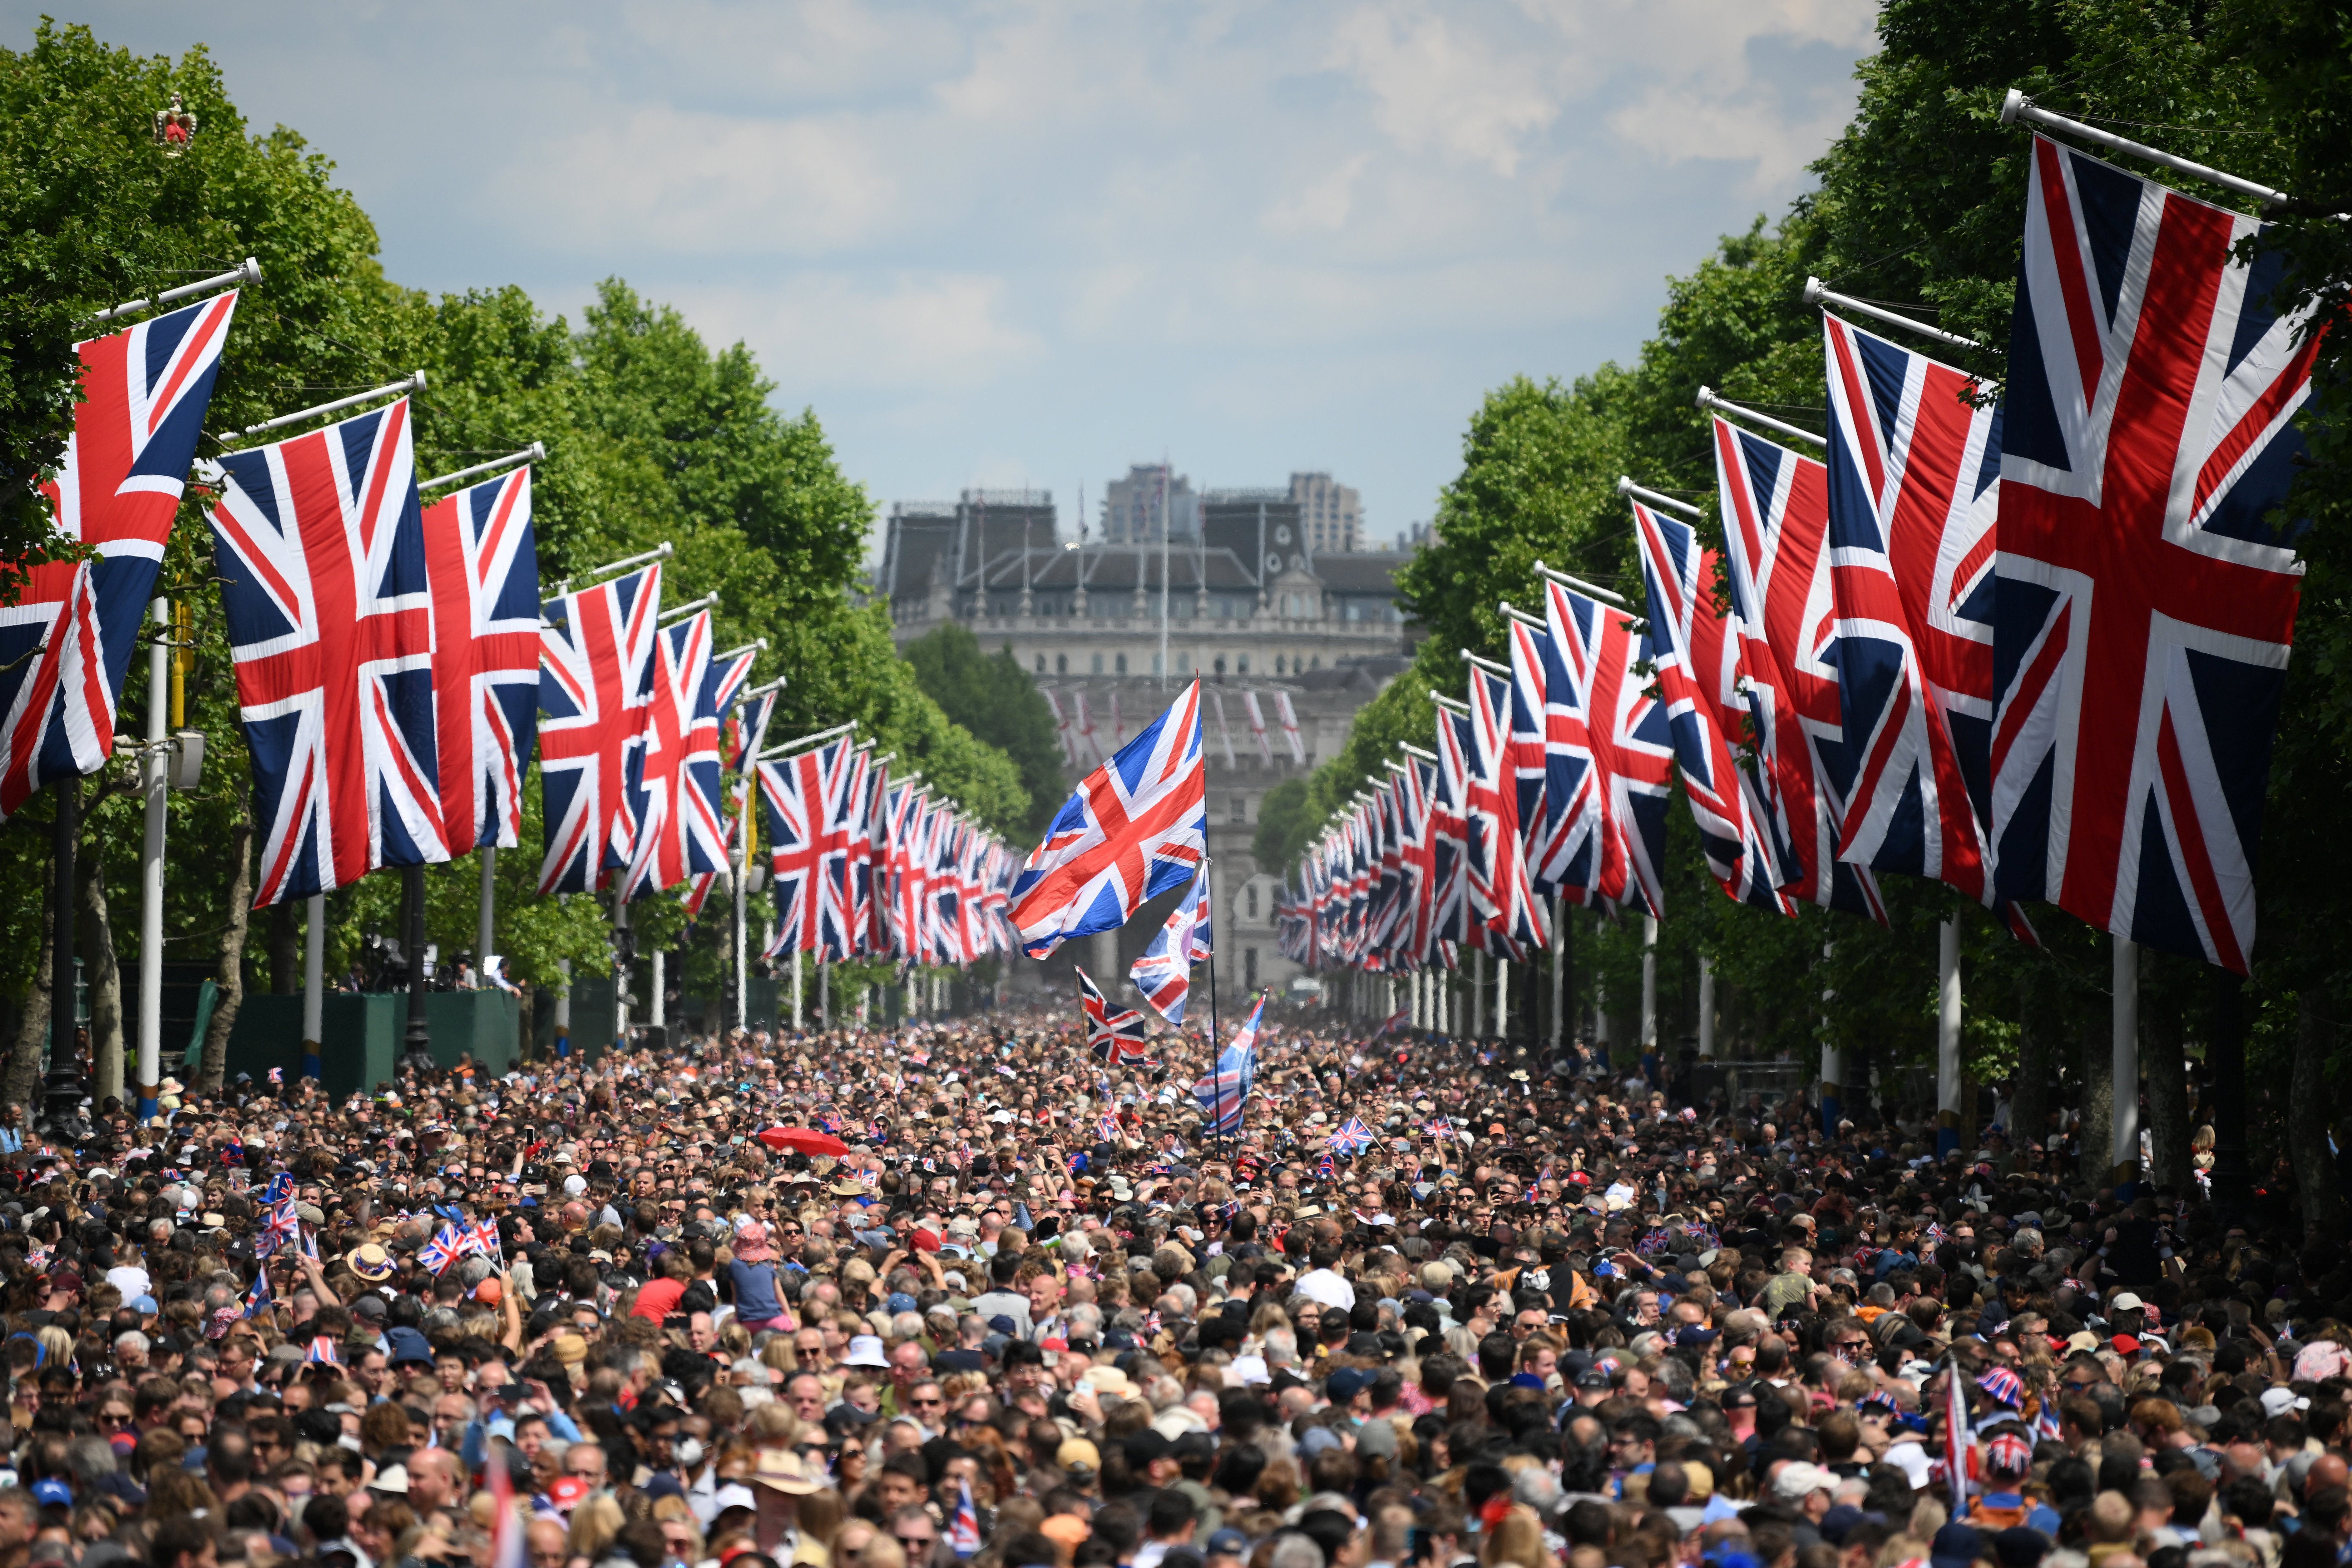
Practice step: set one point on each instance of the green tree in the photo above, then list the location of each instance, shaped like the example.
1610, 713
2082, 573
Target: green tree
993, 697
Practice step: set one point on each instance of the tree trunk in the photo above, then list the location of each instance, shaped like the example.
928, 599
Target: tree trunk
2095, 1030
2028, 1102
2324, 1209
22, 1083
105, 978
284, 949
2162, 1050
230, 977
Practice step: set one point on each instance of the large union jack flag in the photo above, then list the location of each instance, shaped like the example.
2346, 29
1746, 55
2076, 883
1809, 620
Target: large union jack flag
1775, 525
1697, 664
1507, 916
320, 550
596, 659
1622, 732
65, 643
673, 771
1449, 830
2143, 602
799, 798
1114, 1034
1914, 486
1138, 825
1164, 973
483, 563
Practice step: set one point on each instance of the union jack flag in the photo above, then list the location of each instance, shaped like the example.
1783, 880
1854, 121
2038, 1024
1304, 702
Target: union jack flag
1526, 760
65, 643
963, 1529
446, 1247
1107, 1128
2143, 603
1325, 1168
1112, 1036
1624, 731
828, 1119
1449, 831
256, 1295
482, 560
1224, 1092
673, 769
320, 546
596, 656
1351, 1139
1775, 520
1164, 973
798, 794
1697, 668
1509, 917
1136, 826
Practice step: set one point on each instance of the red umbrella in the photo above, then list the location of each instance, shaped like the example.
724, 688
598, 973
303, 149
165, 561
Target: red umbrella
807, 1139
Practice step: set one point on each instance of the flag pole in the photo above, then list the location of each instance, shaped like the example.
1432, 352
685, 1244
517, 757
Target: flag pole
1217, 1086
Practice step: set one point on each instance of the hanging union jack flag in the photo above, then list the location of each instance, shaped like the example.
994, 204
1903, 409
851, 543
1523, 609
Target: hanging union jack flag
1507, 917
320, 546
1164, 973
65, 643
1914, 486
1112, 1036
673, 771
1624, 732
483, 563
794, 795
1136, 826
1697, 661
596, 655
1775, 520
2143, 603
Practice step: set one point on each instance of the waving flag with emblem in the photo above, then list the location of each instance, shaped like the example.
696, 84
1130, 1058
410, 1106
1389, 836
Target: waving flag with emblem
1696, 660
320, 546
1164, 973
678, 830
1776, 523
65, 642
2143, 602
1136, 826
1114, 1036
482, 560
596, 656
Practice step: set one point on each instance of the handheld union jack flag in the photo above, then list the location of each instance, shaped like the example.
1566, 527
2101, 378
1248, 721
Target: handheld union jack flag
1775, 520
673, 769
1351, 1139
1624, 731
1222, 1094
1136, 826
65, 643
1112, 1036
2143, 602
483, 561
1164, 973
1325, 1168
446, 1247
1697, 664
596, 656
320, 550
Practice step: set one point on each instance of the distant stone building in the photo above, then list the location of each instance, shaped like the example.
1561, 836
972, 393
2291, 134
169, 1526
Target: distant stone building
1250, 605
1133, 507
1331, 515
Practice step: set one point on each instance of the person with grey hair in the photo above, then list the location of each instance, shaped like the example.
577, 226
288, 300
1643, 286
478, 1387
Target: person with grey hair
1292, 1549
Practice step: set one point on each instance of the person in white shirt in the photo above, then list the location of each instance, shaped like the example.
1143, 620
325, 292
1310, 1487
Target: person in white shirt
1323, 1283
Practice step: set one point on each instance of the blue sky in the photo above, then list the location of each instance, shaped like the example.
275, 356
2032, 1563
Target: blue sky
1009, 244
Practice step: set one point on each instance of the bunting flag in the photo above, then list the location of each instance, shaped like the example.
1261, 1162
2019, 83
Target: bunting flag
596, 659
1698, 673
2143, 600
320, 546
1164, 973
482, 561
66, 641
1136, 826
1776, 521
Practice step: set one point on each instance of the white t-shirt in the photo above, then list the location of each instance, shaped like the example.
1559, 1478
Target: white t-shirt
132, 1280
1326, 1286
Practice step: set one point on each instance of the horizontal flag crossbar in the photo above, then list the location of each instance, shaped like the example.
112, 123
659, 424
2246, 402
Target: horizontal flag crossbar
806, 741
2018, 108
1525, 619
678, 612
757, 645
534, 452
1626, 487
1707, 400
1579, 583
661, 552
1448, 703
1411, 750
775, 685
412, 383
1488, 665
243, 276
1819, 293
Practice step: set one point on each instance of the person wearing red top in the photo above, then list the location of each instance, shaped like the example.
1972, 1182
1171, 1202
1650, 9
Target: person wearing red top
659, 1296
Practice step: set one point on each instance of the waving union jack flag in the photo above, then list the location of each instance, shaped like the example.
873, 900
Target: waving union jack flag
1595, 652
1507, 916
1136, 826
446, 1247
1164, 973
1351, 1139
1113, 1037
65, 643
483, 561
597, 653
321, 551
2143, 604
674, 768
796, 793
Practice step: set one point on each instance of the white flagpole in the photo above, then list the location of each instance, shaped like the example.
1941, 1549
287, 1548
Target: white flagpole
314, 983
1947, 1036
151, 863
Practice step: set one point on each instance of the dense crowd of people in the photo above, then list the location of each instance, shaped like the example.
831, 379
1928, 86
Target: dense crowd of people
1029, 1316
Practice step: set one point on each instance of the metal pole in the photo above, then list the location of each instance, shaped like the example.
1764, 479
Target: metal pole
2225, 1061
1649, 983
1947, 1036
742, 877
1706, 1007
1832, 1060
624, 970
314, 983
2017, 107
1503, 999
2123, 1151
657, 1009
1559, 965
419, 1046
151, 863
564, 1010
796, 991
1166, 527
485, 920
823, 992
65, 840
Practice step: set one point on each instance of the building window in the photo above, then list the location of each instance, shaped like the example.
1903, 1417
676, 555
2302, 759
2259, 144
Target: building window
1249, 901
1061, 664
1221, 665
1098, 664
1249, 969
1237, 809
1041, 664
1122, 664
1243, 668
1155, 664
1278, 664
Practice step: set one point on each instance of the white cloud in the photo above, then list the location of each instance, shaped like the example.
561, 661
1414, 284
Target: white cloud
1437, 85
854, 329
